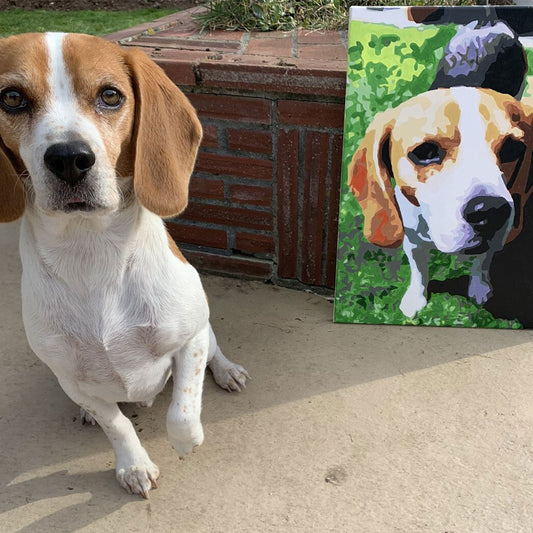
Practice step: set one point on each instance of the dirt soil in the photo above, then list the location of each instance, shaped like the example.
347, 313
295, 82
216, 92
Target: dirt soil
108, 5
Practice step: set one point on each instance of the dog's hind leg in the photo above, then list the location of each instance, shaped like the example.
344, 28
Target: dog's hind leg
228, 375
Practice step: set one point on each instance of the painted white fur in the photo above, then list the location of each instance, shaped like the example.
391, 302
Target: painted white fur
106, 304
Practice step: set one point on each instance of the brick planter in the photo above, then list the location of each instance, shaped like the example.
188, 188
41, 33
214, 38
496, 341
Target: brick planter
264, 194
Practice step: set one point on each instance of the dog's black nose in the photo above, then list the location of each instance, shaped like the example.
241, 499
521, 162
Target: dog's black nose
487, 214
69, 161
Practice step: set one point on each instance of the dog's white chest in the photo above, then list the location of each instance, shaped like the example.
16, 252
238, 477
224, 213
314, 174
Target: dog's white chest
116, 337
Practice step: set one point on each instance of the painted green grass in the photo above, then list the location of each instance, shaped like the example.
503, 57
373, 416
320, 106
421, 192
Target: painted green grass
386, 67
92, 22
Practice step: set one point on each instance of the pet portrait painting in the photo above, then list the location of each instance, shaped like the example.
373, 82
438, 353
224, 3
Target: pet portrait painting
434, 224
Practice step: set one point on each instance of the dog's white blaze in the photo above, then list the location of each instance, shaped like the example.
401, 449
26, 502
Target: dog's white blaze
64, 114
470, 125
61, 92
475, 159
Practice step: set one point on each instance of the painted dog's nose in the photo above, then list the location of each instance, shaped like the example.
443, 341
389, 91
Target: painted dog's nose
69, 161
487, 214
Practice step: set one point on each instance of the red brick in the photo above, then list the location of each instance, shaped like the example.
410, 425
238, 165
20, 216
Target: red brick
319, 37
248, 194
223, 35
210, 138
324, 52
186, 233
268, 35
244, 109
254, 243
316, 170
230, 216
206, 188
270, 47
180, 72
327, 115
333, 217
177, 42
249, 141
229, 165
288, 203
248, 267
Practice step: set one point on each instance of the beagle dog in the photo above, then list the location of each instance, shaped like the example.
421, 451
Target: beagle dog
96, 145
460, 160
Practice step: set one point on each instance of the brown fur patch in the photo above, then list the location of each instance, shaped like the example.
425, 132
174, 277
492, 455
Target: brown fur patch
167, 137
174, 249
24, 67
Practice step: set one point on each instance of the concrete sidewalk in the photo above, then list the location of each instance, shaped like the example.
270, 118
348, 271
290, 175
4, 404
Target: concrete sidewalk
343, 428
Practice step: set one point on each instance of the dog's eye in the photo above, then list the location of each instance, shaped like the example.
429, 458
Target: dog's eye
111, 98
511, 150
427, 153
13, 101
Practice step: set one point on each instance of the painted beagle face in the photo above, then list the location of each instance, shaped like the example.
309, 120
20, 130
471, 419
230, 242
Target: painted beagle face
69, 122
455, 155
86, 127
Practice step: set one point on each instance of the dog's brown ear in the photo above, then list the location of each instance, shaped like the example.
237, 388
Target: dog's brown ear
167, 134
369, 178
521, 177
12, 195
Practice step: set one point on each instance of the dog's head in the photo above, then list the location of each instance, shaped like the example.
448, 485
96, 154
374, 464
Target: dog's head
79, 117
460, 157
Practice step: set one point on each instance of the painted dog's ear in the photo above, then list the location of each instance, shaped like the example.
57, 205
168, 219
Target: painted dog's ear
369, 179
520, 173
12, 195
167, 134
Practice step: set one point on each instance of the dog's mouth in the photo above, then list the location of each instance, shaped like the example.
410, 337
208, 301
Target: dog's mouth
479, 247
80, 205
76, 204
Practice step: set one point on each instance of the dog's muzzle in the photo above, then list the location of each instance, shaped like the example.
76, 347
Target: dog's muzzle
487, 215
70, 162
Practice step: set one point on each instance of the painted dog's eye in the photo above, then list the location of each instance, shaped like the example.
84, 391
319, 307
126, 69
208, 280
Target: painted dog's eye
511, 150
427, 153
111, 98
13, 100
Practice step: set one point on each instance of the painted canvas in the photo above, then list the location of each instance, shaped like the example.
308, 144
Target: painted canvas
436, 221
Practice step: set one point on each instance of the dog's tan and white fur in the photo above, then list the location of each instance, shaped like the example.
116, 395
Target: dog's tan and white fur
460, 159
96, 145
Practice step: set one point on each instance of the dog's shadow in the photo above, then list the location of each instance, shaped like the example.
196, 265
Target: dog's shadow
60, 475
66, 510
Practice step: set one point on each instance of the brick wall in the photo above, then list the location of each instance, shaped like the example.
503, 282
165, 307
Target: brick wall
264, 194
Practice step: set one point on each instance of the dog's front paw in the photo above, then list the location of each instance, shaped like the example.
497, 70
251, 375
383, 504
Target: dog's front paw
479, 290
138, 478
185, 438
412, 302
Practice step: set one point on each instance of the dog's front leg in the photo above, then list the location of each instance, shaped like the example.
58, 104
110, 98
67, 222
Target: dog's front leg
479, 288
183, 417
415, 298
135, 471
